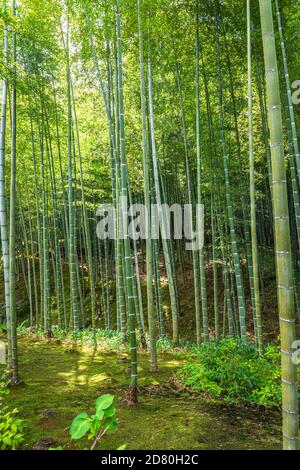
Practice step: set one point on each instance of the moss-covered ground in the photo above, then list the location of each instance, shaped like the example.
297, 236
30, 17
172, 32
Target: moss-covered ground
59, 383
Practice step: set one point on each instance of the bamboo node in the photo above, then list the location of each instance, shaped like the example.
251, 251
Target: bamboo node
274, 107
288, 382
287, 320
287, 353
276, 144
292, 438
268, 33
290, 412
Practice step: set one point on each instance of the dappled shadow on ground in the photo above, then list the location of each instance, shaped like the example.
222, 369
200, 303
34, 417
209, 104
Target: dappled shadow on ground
61, 382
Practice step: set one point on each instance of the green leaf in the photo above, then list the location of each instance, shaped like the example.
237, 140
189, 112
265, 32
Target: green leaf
122, 447
95, 425
104, 402
99, 413
80, 426
110, 425
111, 411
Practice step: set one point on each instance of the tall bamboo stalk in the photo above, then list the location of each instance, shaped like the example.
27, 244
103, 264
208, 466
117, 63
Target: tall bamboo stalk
284, 266
150, 303
201, 262
129, 275
252, 191
234, 247
3, 214
12, 214
288, 91
166, 247
72, 228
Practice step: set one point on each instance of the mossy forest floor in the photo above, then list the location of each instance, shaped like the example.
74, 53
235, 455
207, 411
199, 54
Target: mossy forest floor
60, 383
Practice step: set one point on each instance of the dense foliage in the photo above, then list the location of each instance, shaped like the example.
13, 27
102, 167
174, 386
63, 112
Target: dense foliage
11, 425
232, 369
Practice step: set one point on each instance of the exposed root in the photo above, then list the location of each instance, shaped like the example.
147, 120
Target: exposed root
172, 390
15, 382
132, 399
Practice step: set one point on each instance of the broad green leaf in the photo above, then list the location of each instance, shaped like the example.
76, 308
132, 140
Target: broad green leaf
95, 425
110, 425
111, 411
99, 413
104, 402
80, 426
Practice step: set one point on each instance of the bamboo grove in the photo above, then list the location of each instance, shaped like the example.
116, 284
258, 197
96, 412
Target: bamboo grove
152, 102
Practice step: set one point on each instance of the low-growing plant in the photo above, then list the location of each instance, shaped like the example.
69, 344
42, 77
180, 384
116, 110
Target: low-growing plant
11, 429
103, 421
106, 339
11, 426
165, 343
232, 369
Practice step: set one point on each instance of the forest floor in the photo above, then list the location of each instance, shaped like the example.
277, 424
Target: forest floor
60, 383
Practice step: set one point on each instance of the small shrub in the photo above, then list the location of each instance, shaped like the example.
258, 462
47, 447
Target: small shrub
232, 369
11, 426
164, 343
11, 429
102, 422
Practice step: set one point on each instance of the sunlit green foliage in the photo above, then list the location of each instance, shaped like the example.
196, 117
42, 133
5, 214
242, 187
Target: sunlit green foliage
233, 370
